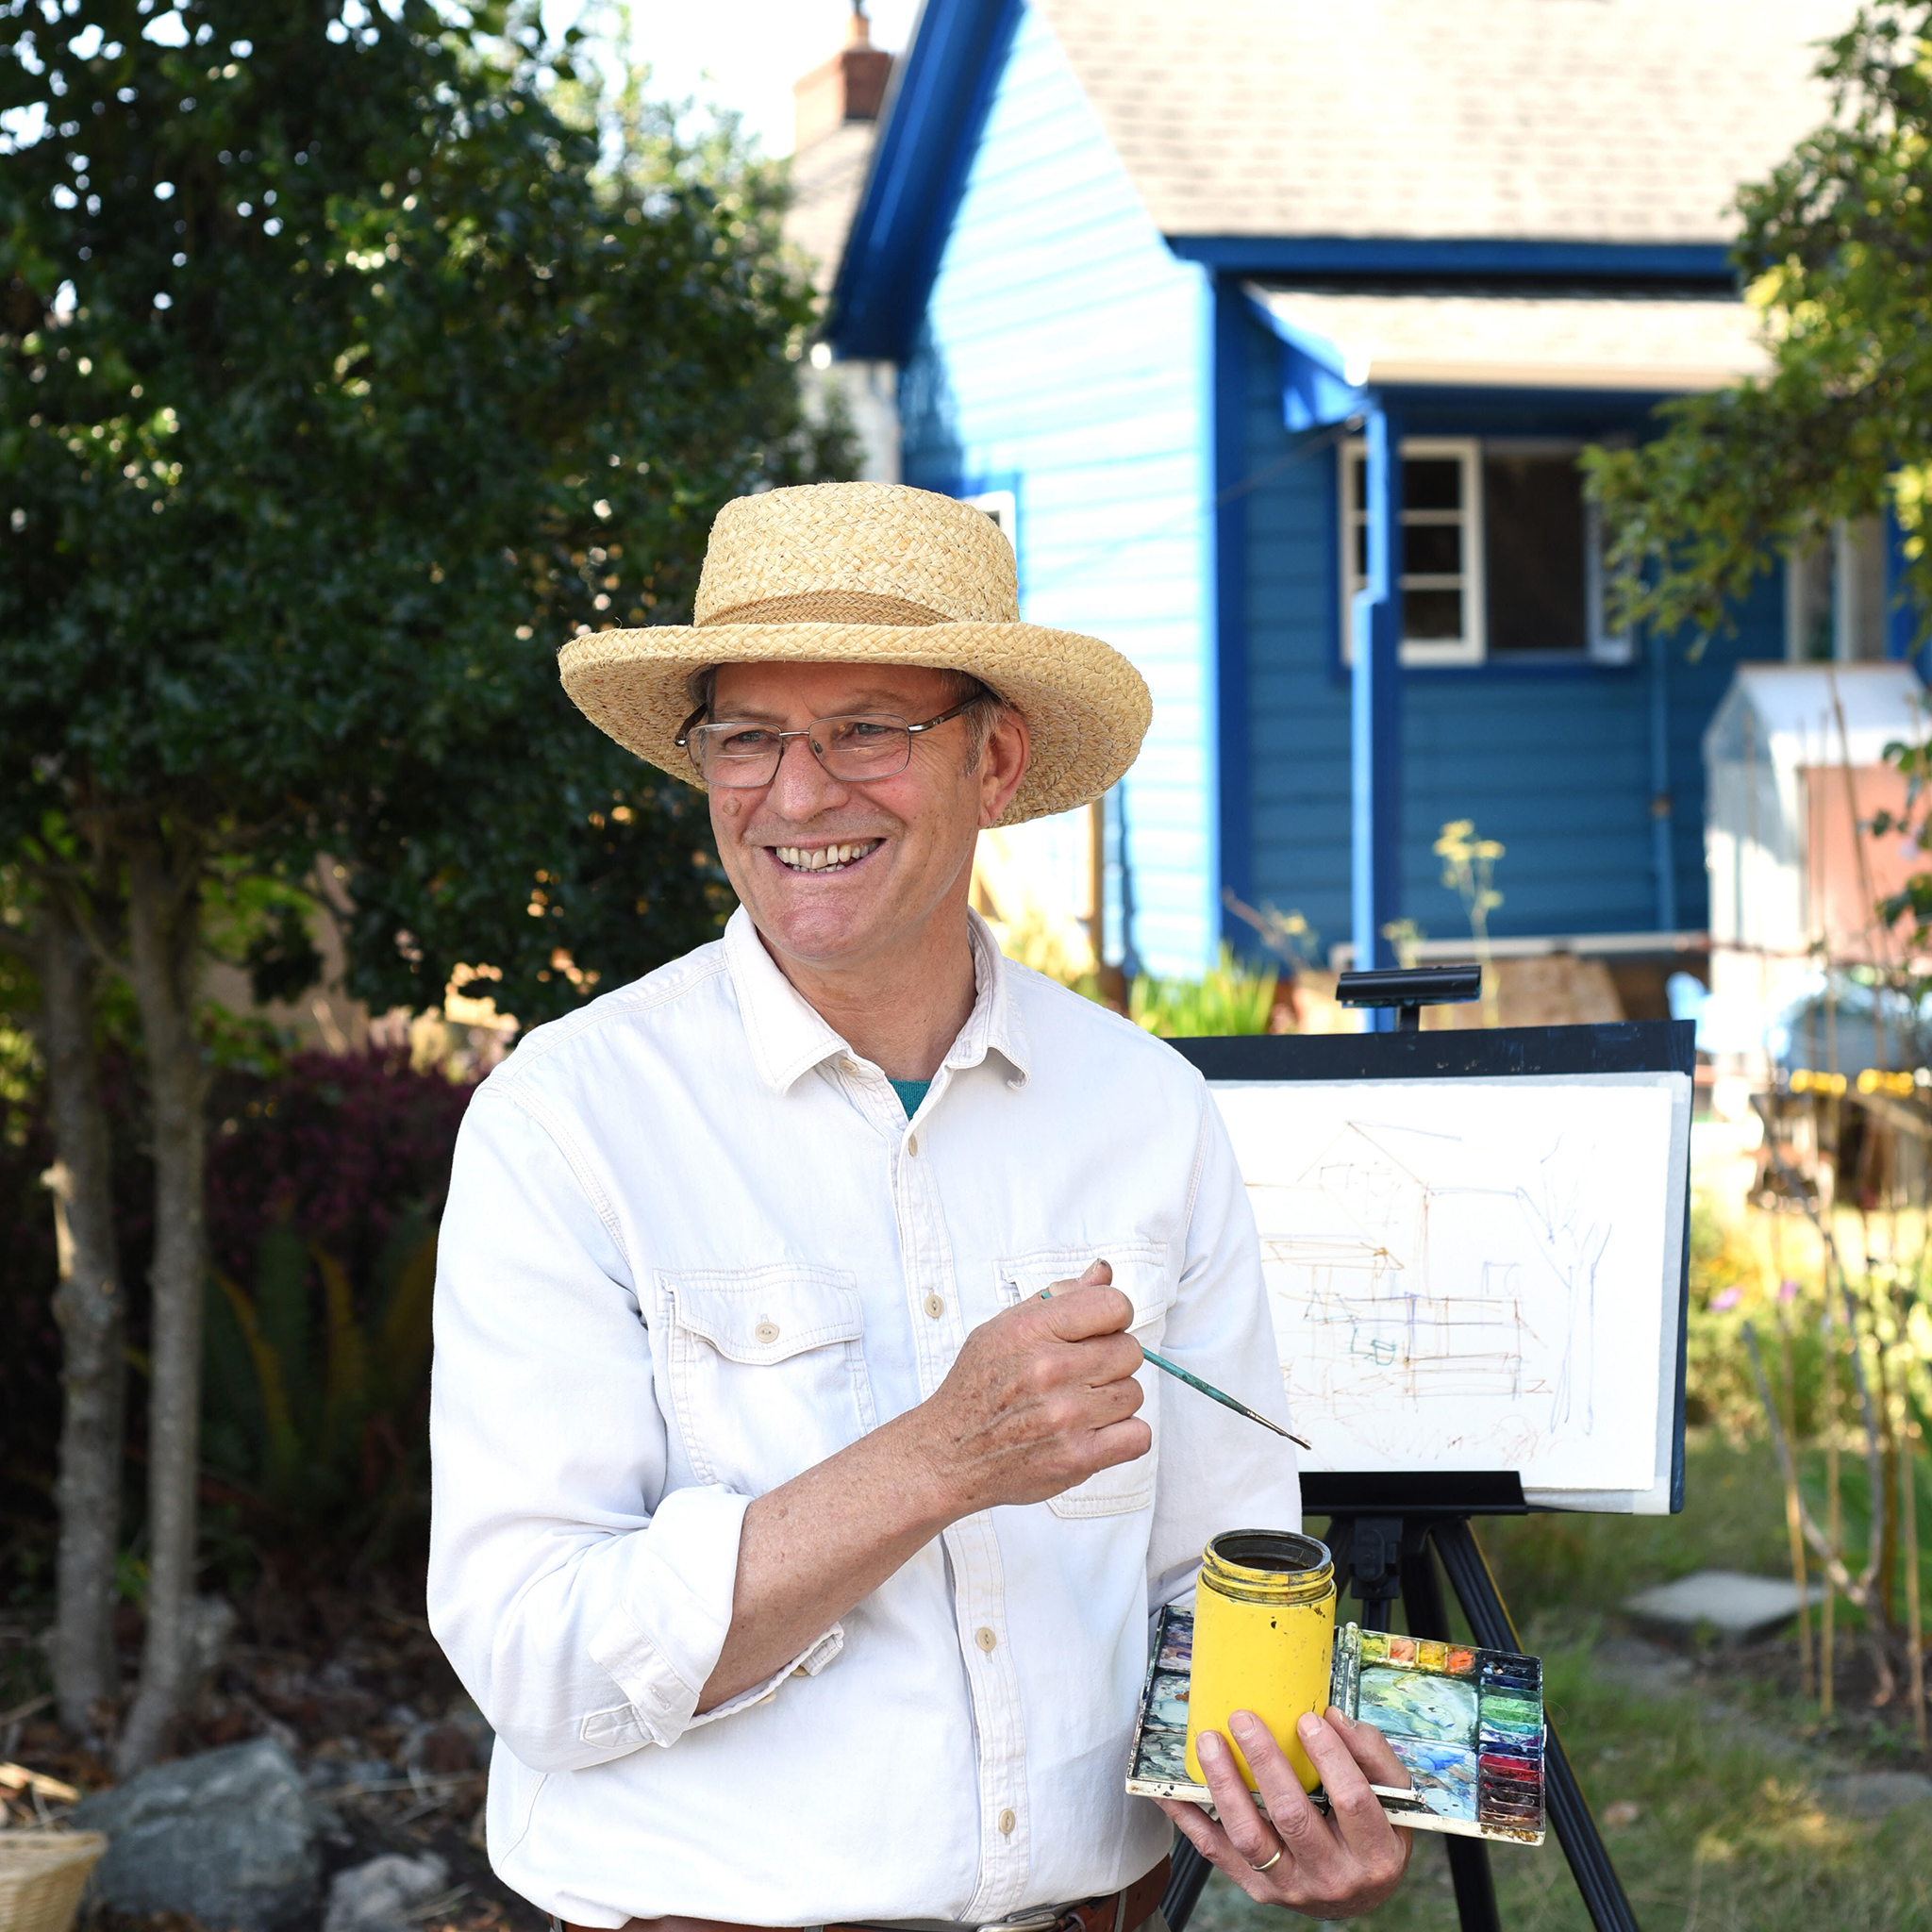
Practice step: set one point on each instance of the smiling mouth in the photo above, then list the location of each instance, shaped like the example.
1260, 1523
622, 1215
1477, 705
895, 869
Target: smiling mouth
816, 859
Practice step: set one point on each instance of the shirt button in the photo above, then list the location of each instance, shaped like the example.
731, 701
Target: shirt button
848, 1066
912, 1143
766, 1331
935, 1306
1007, 1822
986, 1640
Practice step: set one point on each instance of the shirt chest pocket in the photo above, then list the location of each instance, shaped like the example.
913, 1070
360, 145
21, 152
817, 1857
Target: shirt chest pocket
767, 1371
1140, 1272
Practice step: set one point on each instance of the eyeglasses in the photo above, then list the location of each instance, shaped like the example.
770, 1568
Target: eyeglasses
866, 745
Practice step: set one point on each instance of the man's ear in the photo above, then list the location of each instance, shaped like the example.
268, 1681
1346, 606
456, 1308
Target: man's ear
1002, 765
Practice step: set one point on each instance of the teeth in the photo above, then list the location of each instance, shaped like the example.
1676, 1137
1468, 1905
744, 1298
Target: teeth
823, 857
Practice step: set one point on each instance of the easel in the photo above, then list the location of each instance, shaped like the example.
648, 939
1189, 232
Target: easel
1386, 1534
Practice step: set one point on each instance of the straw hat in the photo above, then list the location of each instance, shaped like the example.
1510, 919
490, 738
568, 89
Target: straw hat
876, 574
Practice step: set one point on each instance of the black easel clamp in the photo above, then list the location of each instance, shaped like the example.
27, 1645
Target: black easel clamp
1409, 989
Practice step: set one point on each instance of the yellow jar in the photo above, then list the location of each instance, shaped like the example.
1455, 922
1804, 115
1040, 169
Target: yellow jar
1264, 1640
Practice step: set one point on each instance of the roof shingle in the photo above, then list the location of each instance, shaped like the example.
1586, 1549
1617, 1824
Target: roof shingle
1630, 121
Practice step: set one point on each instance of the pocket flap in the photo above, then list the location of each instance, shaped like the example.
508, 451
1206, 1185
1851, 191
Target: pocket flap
761, 1315
1140, 1272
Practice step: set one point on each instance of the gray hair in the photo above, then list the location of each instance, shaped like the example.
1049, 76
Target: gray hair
987, 709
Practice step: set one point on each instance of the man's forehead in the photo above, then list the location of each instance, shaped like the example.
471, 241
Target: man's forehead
849, 686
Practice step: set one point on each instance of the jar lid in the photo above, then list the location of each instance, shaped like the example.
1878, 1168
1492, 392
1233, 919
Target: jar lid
1273, 1566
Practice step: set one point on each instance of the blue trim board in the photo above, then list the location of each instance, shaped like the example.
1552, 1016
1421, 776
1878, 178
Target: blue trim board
942, 89
1376, 708
1235, 802
1371, 255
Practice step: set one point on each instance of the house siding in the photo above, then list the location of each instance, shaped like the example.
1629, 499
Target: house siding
1554, 762
1062, 355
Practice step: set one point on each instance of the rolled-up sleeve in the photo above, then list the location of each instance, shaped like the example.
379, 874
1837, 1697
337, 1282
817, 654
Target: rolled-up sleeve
582, 1607
1219, 1471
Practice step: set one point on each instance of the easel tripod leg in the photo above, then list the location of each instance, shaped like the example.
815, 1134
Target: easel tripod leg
1186, 1878
1469, 1858
1489, 1619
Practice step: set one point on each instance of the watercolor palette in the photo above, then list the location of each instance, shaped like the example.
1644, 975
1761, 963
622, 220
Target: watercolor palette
1466, 1723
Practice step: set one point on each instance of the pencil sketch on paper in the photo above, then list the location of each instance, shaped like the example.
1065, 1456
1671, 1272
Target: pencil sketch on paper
1449, 1291
1401, 1292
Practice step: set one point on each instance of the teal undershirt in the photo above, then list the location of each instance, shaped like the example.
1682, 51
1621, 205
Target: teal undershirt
912, 1094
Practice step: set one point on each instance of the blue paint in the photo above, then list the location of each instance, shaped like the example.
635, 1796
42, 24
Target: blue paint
1662, 805
1231, 328
1351, 255
1376, 708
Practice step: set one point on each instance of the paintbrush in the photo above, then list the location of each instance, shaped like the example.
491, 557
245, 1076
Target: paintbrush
1207, 1388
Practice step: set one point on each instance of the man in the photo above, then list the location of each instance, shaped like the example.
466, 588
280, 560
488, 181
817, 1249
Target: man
801, 1496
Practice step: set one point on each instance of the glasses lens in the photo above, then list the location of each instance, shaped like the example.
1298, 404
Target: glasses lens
861, 748
732, 754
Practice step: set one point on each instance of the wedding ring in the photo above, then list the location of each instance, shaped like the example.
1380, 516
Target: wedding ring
1275, 1861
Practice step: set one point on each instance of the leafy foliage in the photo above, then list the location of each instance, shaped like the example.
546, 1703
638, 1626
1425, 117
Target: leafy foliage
1836, 248
341, 380
1227, 999
315, 1405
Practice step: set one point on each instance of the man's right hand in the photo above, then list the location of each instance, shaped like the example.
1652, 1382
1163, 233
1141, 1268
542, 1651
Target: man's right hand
1039, 1398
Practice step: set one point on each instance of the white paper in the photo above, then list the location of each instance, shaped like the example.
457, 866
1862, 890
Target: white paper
1471, 1274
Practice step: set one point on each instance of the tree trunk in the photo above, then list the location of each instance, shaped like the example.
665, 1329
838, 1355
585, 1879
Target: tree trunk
88, 1306
163, 903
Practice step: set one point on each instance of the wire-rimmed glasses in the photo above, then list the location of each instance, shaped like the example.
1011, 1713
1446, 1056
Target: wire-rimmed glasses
740, 755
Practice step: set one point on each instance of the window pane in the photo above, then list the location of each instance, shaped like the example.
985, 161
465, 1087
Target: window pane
1428, 615
1533, 546
1432, 550
1361, 550
1431, 483
1358, 481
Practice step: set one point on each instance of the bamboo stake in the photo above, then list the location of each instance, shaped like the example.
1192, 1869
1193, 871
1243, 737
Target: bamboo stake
1909, 1520
1834, 1516
1770, 1272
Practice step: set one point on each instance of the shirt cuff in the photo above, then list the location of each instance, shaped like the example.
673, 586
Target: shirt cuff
662, 1640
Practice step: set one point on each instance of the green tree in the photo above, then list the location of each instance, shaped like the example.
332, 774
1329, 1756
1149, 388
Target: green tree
350, 361
1836, 252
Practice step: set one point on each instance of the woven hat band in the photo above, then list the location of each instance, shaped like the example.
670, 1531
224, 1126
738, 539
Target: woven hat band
825, 607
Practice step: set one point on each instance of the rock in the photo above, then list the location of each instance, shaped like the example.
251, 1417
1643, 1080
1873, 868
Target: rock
228, 1835
379, 1896
1873, 1793
1737, 1607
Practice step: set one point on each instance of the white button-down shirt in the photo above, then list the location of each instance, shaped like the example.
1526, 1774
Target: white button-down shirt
693, 1247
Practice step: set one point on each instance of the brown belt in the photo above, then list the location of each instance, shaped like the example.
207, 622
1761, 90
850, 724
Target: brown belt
1118, 1911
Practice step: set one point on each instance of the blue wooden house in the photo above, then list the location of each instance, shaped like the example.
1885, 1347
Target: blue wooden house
1275, 327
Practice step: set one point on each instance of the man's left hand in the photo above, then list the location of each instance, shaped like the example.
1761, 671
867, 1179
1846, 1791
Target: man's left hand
1327, 1868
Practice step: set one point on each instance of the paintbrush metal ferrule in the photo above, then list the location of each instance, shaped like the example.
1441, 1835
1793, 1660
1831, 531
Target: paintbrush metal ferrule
1208, 1389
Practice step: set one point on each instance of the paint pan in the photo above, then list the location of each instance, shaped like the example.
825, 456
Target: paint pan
1465, 1723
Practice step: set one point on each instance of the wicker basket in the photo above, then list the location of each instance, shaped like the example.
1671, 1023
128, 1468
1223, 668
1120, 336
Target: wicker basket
41, 1876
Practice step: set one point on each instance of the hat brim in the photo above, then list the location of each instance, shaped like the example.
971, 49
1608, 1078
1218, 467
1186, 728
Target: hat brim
1086, 708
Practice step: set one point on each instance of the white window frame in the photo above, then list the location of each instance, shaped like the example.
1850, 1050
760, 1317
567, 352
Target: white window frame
1470, 647
1003, 506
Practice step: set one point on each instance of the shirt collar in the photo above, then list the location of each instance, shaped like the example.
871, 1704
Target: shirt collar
788, 1036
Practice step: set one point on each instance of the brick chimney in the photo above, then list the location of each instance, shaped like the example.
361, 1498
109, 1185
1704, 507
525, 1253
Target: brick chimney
848, 87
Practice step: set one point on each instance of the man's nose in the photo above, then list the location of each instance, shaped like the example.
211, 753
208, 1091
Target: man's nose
801, 786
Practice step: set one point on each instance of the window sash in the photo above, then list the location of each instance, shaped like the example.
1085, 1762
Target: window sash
1467, 517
